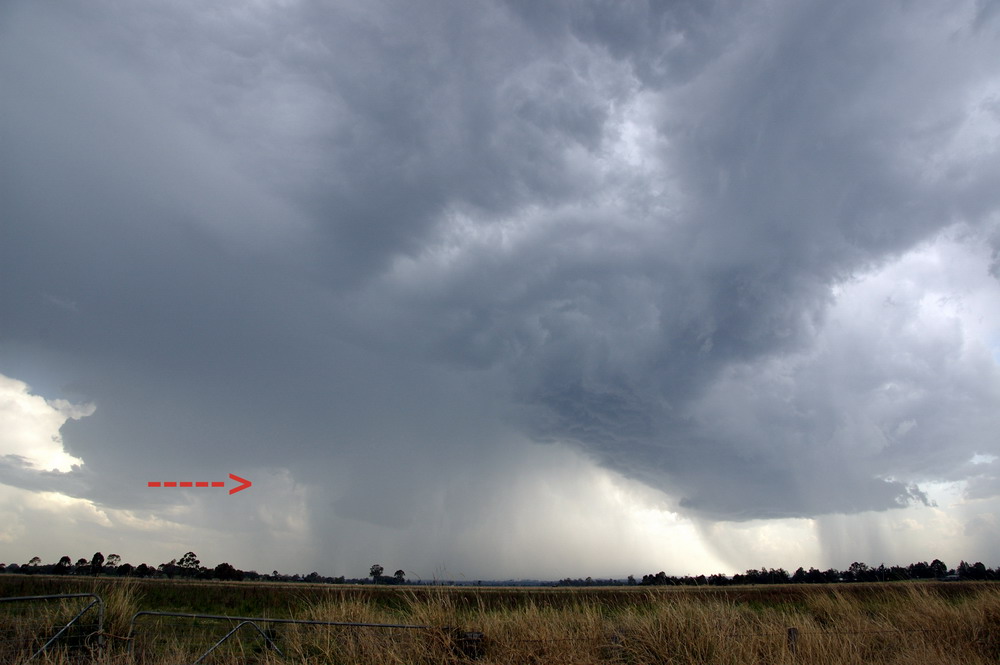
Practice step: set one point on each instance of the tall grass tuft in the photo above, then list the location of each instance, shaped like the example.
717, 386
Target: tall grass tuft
889, 624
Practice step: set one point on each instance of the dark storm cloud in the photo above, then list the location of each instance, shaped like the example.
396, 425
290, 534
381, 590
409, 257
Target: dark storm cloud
366, 239
803, 155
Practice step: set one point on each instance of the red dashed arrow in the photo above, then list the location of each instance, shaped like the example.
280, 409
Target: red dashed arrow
243, 483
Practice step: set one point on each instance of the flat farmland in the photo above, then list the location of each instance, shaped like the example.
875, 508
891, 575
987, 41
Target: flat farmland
925, 622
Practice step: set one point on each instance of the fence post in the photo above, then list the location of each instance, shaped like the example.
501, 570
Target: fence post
469, 644
793, 638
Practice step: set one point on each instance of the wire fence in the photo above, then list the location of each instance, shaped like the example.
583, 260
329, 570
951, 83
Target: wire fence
54, 629
69, 628
189, 637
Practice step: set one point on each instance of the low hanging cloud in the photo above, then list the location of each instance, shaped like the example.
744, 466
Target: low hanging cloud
746, 256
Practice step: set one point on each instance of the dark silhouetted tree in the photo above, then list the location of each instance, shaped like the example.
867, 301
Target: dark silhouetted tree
859, 572
169, 568
97, 563
376, 572
227, 572
189, 564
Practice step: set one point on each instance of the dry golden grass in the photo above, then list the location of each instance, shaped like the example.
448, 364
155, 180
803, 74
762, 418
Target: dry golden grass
892, 624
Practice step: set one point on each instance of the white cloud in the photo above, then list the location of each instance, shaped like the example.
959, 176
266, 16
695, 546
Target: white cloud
30, 424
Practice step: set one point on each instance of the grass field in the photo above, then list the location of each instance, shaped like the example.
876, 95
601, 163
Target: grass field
911, 623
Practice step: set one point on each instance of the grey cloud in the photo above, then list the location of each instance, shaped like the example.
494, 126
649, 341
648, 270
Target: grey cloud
17, 471
324, 237
994, 241
791, 200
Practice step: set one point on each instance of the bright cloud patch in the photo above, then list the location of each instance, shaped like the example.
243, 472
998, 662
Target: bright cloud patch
29, 427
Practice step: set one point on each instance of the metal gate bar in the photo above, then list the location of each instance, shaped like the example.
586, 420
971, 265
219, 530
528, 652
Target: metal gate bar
96, 601
253, 621
232, 632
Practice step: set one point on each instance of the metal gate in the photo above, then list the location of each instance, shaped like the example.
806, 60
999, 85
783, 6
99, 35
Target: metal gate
37, 628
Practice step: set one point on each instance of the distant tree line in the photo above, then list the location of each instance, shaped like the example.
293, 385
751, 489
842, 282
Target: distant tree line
589, 581
375, 572
856, 572
187, 566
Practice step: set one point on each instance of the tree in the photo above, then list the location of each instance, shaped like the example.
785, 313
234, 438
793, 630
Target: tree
34, 561
226, 572
376, 572
188, 565
898, 573
815, 576
399, 576
169, 568
718, 579
189, 561
64, 565
113, 561
939, 568
97, 563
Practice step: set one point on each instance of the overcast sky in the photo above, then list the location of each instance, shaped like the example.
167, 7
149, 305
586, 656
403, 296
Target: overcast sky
489, 289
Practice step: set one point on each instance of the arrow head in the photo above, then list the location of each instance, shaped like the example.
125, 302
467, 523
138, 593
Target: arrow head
244, 483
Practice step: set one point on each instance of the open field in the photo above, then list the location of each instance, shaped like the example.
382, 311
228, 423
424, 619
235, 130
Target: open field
904, 623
